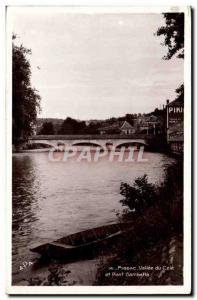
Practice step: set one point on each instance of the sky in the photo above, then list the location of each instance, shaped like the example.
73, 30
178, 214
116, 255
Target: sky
96, 66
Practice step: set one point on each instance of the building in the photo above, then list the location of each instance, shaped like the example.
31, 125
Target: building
126, 128
175, 125
118, 128
148, 124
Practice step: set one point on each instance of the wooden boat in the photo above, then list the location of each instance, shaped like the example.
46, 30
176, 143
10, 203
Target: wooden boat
88, 242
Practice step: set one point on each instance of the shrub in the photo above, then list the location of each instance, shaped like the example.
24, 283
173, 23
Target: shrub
139, 196
57, 275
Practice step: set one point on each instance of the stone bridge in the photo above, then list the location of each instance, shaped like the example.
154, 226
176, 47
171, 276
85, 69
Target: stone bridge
102, 141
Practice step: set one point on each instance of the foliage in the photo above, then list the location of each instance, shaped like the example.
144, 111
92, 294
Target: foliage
57, 277
173, 32
171, 194
25, 99
156, 235
72, 126
47, 128
142, 195
157, 113
130, 119
138, 196
180, 93
92, 128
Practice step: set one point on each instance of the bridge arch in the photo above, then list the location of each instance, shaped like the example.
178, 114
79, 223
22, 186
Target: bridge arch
87, 143
109, 145
130, 143
40, 142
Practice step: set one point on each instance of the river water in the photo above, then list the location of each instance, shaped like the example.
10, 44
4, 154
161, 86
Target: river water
54, 199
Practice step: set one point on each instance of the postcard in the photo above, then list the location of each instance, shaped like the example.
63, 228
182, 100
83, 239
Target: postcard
98, 150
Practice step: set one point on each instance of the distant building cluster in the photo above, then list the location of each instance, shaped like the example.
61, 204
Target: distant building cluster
149, 124
117, 127
143, 124
166, 123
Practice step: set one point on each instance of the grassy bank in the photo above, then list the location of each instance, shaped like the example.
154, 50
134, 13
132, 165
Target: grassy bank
152, 252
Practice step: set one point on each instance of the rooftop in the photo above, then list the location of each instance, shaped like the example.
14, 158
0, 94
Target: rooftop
176, 102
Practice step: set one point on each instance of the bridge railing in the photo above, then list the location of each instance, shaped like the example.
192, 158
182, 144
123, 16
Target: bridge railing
91, 137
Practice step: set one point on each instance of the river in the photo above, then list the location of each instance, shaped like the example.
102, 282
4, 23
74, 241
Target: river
53, 199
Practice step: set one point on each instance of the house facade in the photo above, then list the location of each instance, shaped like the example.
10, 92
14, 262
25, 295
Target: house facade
126, 128
175, 125
149, 124
118, 128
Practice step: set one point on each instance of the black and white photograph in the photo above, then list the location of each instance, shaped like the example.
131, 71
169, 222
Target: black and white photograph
99, 116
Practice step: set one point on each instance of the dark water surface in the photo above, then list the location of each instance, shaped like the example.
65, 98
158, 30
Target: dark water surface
54, 199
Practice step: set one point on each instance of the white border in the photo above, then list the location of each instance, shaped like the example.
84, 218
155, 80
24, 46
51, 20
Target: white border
100, 9
118, 290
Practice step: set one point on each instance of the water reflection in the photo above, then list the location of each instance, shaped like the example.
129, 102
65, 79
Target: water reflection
24, 204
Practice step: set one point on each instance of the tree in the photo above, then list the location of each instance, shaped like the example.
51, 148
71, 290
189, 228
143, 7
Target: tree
174, 40
130, 119
72, 126
180, 93
138, 196
92, 128
173, 32
47, 128
25, 99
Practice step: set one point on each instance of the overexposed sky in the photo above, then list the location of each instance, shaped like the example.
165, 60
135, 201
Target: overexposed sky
95, 66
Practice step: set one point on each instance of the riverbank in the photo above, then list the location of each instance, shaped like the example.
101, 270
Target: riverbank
54, 273
153, 253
